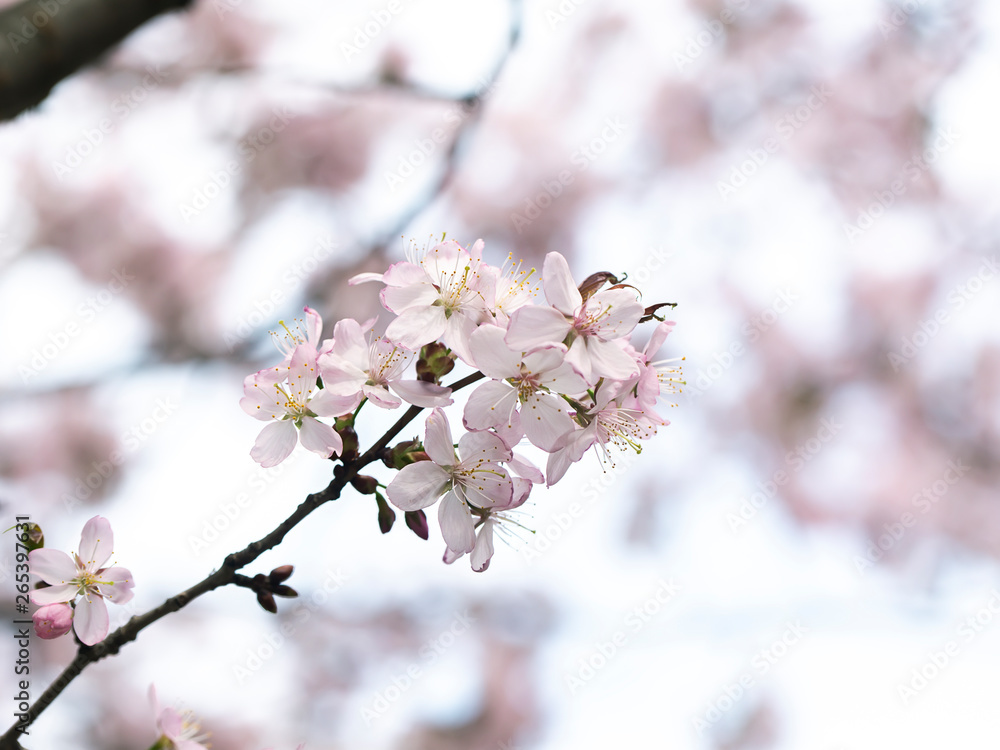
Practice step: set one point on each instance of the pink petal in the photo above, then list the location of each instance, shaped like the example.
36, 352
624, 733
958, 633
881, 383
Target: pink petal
521, 466
274, 444
458, 329
314, 325
438, 443
55, 594
417, 486
326, 403
170, 723
320, 438
486, 486
260, 397
492, 403
399, 299
623, 312
302, 372
416, 327
578, 357
52, 565
491, 353
419, 393
656, 340
560, 289
364, 278
349, 344
563, 379
380, 396
543, 360
90, 620
483, 549
405, 273
536, 326
477, 447
545, 421
609, 360
96, 543
457, 526
118, 589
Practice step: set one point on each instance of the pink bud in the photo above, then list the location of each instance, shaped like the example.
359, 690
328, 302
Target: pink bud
53, 620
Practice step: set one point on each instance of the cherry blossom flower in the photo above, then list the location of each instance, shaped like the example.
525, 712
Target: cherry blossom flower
490, 518
507, 289
476, 478
81, 578
524, 385
293, 406
355, 369
177, 730
438, 298
590, 328
53, 620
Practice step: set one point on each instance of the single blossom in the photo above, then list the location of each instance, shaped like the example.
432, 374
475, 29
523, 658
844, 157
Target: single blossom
591, 328
306, 330
355, 368
439, 297
489, 519
178, 731
472, 476
524, 391
81, 578
53, 620
292, 404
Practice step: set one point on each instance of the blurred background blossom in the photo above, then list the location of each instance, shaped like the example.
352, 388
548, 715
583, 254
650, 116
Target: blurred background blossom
806, 559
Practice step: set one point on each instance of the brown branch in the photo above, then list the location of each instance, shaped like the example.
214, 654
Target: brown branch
223, 576
44, 41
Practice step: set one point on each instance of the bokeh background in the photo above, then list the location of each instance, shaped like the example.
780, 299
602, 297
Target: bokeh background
805, 559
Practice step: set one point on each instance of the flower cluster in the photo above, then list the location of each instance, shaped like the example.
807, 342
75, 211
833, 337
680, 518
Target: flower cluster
563, 376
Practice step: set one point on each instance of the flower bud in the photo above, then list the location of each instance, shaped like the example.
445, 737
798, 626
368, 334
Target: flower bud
33, 538
53, 620
281, 574
266, 600
365, 484
386, 515
350, 439
435, 362
417, 522
286, 591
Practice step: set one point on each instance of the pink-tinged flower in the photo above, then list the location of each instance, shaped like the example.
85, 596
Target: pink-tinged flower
292, 405
53, 620
82, 576
655, 377
507, 289
355, 369
524, 389
490, 518
476, 478
177, 730
438, 299
606, 423
590, 328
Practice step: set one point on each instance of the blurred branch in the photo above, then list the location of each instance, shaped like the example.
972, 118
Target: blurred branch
225, 575
44, 41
